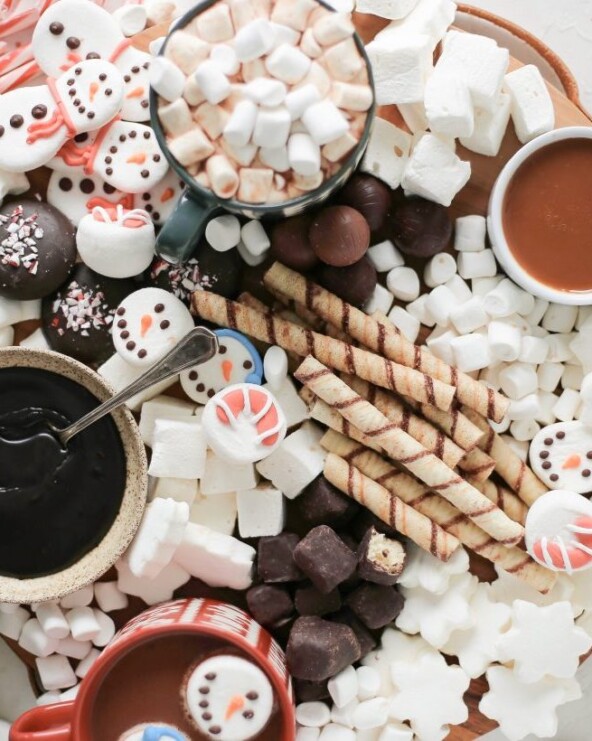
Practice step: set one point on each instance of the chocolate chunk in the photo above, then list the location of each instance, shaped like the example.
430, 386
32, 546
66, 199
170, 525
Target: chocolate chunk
309, 601
325, 558
380, 559
269, 604
375, 605
321, 503
275, 559
339, 236
354, 284
318, 649
420, 228
370, 196
307, 691
365, 638
290, 243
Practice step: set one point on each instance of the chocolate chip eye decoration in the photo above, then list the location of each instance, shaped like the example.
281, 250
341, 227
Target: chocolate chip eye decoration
65, 184
159, 308
146, 135
1, 130
72, 42
39, 111
156, 157
56, 28
108, 189
87, 186
108, 92
222, 349
80, 138
155, 215
70, 82
247, 365
102, 77
93, 55
145, 173
133, 134
77, 71
16, 121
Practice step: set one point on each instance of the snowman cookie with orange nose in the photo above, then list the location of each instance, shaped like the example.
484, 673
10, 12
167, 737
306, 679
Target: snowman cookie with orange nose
236, 361
561, 456
148, 324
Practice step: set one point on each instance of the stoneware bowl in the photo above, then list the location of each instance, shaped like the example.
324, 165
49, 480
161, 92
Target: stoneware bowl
101, 558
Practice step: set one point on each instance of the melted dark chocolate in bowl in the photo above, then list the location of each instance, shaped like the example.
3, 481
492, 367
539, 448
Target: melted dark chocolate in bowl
55, 504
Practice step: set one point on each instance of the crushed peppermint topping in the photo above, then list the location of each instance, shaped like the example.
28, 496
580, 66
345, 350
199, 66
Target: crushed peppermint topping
19, 246
80, 310
184, 279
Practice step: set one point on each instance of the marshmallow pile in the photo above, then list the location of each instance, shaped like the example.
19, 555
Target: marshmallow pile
263, 103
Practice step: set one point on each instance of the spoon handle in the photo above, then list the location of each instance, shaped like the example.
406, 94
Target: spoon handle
195, 348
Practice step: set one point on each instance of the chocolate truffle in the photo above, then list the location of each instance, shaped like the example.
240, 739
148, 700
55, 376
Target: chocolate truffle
269, 604
420, 228
307, 691
370, 196
325, 558
339, 236
365, 638
375, 605
275, 558
290, 243
309, 601
321, 503
37, 249
77, 318
380, 559
354, 284
318, 649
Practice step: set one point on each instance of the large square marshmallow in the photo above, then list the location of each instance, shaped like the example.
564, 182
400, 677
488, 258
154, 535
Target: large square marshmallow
387, 152
531, 105
434, 171
448, 104
178, 449
401, 67
490, 128
161, 407
221, 477
429, 17
261, 512
218, 513
394, 10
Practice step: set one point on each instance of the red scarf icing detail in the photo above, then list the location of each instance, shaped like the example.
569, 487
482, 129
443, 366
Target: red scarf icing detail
127, 201
119, 49
60, 117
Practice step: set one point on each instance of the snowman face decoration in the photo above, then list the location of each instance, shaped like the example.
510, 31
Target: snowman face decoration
76, 194
161, 200
236, 361
228, 698
148, 324
561, 456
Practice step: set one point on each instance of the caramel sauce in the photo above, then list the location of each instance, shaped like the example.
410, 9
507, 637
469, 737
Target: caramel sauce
547, 215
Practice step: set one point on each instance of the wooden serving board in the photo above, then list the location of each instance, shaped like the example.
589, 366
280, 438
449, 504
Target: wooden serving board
473, 199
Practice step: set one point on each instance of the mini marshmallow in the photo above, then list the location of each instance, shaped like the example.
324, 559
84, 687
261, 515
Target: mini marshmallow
331, 28
212, 119
476, 264
218, 513
392, 9
439, 269
265, 91
459, 288
296, 462
300, 99
253, 70
213, 82
284, 35
223, 232
166, 78
324, 122
275, 366
586, 388
178, 450
293, 13
396, 732
254, 40
533, 350
52, 620
337, 732
47, 698
440, 303
504, 341
176, 117
131, 19
261, 512
506, 298
518, 380
339, 148
403, 283
401, 67
524, 430
538, 311
567, 405
344, 715
343, 60
440, 344
560, 350
243, 156
313, 714
108, 596
560, 318
368, 682
11, 623
307, 734
187, 51
255, 184
215, 24
548, 375
248, 257
381, 300
490, 128
74, 649
191, 147
304, 155
161, 407
387, 152
385, 256
405, 322
81, 598
469, 234
448, 104
435, 172
107, 628
70, 694
482, 286
572, 377
223, 177
221, 477
219, 560
371, 713
152, 591
225, 57
309, 45
83, 624
254, 238
471, 352
469, 316
288, 64
351, 97
343, 687
490, 376
547, 401
525, 408
55, 672
532, 109
34, 640
275, 157
84, 666
295, 410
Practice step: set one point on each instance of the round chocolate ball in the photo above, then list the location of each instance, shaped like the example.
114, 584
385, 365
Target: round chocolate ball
208, 270
370, 196
354, 283
77, 319
339, 235
420, 228
290, 244
37, 249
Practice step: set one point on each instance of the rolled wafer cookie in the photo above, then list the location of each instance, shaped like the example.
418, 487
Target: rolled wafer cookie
511, 559
510, 467
402, 448
477, 464
292, 338
389, 508
505, 499
453, 422
380, 335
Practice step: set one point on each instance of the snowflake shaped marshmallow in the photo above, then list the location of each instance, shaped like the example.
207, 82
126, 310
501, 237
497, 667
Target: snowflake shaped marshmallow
429, 695
522, 709
543, 641
477, 647
428, 572
507, 588
435, 616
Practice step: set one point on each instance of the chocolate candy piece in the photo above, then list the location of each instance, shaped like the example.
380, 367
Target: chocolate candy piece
269, 604
370, 196
290, 243
318, 649
275, 558
375, 605
420, 228
380, 559
339, 236
77, 319
325, 558
354, 284
37, 249
307, 691
321, 503
309, 601
366, 640
208, 269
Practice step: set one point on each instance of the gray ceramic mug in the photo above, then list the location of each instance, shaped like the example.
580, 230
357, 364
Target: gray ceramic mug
181, 233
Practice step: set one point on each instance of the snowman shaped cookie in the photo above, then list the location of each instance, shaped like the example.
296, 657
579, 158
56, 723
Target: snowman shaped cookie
35, 122
75, 194
74, 30
561, 456
228, 698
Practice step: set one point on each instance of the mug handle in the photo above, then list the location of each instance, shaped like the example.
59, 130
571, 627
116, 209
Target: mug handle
182, 231
44, 723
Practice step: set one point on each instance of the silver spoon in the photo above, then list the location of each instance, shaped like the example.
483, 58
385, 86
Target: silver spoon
195, 348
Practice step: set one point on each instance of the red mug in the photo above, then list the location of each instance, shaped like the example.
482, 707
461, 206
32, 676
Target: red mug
70, 721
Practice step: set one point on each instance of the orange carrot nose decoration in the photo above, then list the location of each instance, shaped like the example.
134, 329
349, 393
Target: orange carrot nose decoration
573, 461
227, 370
137, 92
138, 158
93, 90
167, 194
145, 324
236, 703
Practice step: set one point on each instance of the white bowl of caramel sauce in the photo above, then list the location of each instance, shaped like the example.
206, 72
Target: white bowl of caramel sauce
540, 216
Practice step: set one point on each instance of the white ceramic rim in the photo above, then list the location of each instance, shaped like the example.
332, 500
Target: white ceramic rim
497, 237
